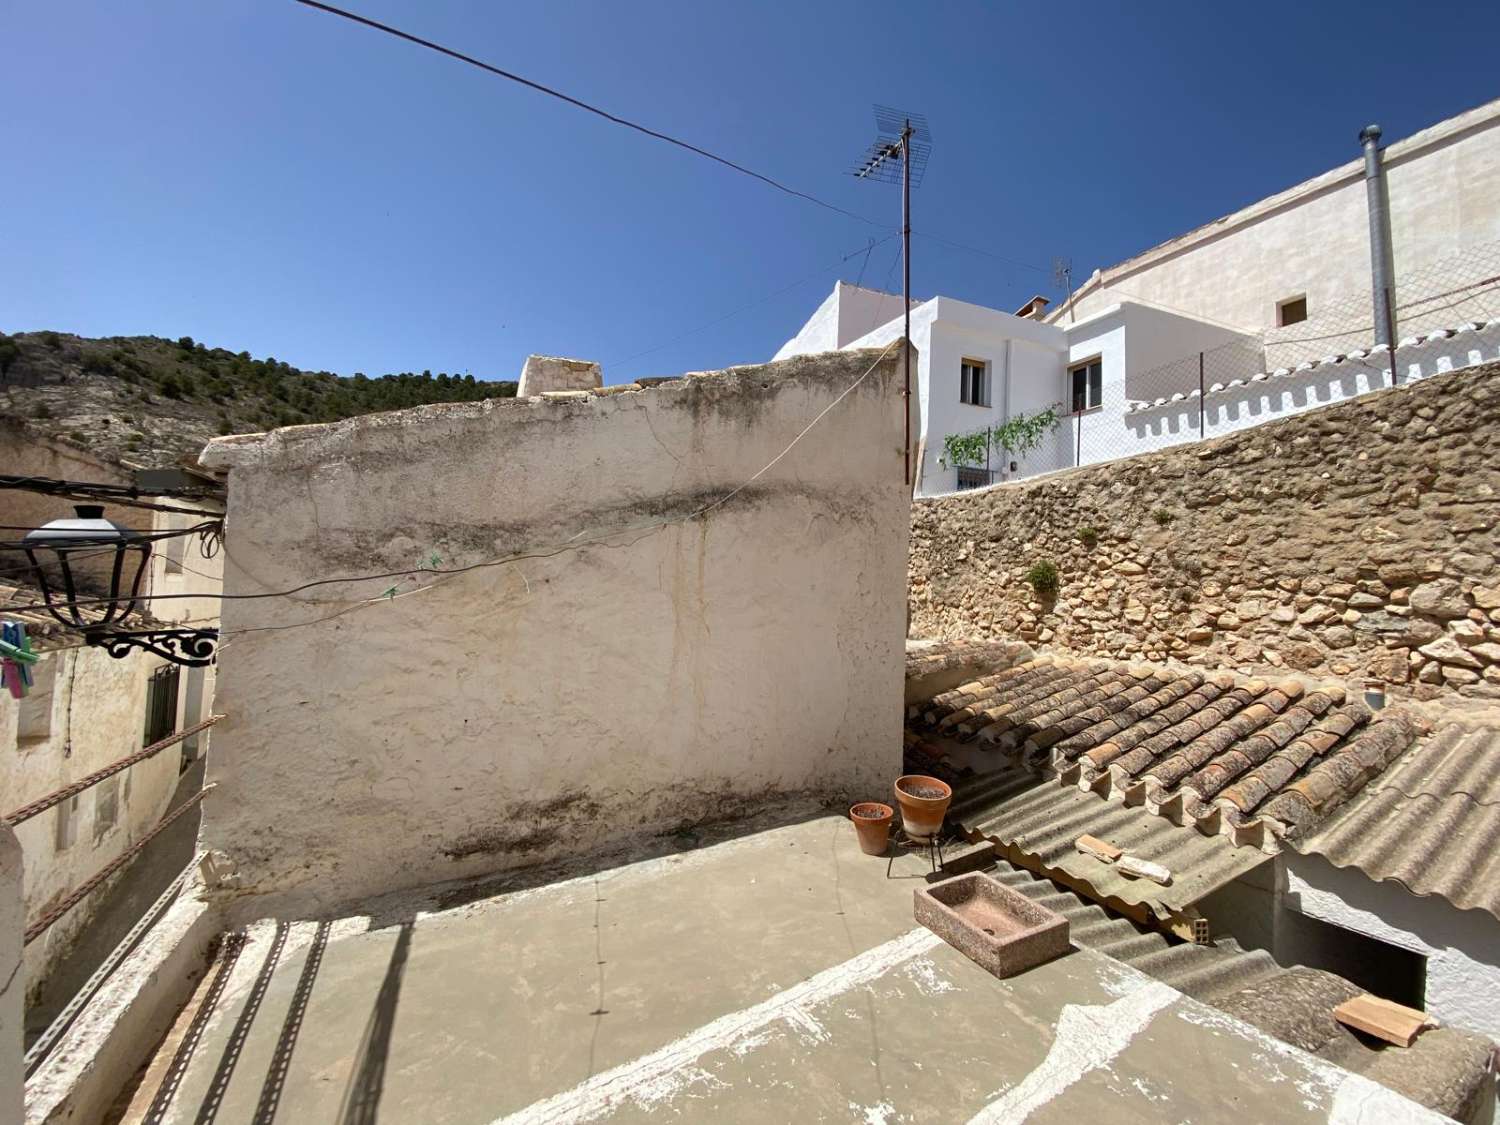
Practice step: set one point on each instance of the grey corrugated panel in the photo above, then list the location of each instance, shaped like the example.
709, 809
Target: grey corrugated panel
1042, 818
1431, 822
1446, 1069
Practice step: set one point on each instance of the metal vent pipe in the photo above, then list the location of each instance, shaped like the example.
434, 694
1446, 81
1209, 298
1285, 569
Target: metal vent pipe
1382, 265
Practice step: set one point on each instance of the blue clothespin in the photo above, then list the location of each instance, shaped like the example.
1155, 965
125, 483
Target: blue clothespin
18, 656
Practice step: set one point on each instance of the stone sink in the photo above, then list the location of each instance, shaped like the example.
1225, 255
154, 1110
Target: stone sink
998, 928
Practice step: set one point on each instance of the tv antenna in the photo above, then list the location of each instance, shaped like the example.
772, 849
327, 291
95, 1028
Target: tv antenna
899, 155
1062, 277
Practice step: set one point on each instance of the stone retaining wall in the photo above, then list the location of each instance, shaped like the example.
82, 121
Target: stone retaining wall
1356, 540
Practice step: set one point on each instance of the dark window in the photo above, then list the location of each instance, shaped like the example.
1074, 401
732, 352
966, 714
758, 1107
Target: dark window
972, 478
161, 703
1087, 385
1291, 311
974, 383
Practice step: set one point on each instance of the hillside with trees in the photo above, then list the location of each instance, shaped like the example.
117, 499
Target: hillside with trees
145, 400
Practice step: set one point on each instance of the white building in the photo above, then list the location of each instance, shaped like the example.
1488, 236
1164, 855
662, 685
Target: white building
1263, 313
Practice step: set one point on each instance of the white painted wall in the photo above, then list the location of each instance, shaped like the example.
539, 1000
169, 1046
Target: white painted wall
522, 712
1462, 947
846, 314
1313, 239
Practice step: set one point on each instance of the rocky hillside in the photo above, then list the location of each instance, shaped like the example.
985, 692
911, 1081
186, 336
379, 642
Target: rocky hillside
147, 401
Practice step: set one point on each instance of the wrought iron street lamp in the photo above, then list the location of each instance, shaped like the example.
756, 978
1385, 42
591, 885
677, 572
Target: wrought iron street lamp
60, 545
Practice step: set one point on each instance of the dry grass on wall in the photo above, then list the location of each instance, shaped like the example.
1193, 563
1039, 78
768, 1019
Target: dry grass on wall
1354, 540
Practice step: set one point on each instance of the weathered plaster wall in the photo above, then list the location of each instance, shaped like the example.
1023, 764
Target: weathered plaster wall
620, 678
1462, 947
1357, 540
1313, 239
12, 978
97, 707
543, 373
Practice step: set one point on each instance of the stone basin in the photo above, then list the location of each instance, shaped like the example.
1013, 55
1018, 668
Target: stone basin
997, 928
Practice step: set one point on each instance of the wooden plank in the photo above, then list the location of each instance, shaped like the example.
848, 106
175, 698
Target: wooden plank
1384, 1019
1101, 850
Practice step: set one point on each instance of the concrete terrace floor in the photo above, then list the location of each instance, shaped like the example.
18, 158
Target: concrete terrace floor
773, 977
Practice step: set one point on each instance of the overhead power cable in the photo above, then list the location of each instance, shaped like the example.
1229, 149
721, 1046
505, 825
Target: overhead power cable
583, 105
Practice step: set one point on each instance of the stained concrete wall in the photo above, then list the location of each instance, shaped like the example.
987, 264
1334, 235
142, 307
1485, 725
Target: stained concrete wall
636, 668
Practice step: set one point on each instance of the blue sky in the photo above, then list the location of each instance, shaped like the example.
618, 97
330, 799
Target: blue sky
264, 177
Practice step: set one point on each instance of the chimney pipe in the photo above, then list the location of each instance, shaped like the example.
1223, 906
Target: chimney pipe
1382, 267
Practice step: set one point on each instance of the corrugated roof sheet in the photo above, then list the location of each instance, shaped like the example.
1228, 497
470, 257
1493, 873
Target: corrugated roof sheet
1032, 813
1431, 822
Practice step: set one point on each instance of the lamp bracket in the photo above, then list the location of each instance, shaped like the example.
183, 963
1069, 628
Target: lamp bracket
193, 648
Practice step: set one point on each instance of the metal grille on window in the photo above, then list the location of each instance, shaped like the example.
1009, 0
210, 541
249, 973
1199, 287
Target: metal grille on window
969, 477
161, 703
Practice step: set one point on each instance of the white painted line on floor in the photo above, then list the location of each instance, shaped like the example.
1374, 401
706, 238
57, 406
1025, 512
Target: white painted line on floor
654, 1076
1088, 1036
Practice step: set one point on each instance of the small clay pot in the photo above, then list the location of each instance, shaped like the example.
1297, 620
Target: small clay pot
924, 801
872, 823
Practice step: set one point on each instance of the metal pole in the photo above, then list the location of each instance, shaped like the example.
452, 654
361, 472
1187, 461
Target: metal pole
1382, 269
906, 288
1200, 395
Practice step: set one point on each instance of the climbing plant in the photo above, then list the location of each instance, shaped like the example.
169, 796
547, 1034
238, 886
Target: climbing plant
1017, 436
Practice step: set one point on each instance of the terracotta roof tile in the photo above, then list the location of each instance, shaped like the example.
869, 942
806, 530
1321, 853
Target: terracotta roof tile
1234, 756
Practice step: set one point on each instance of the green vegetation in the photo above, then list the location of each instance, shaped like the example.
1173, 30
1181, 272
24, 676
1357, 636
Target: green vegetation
1018, 436
1043, 578
231, 391
9, 350
1162, 517
1089, 537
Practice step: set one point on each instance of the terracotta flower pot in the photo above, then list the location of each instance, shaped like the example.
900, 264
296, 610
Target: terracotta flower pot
924, 801
872, 822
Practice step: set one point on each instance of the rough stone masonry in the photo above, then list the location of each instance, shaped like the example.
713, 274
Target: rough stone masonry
1355, 540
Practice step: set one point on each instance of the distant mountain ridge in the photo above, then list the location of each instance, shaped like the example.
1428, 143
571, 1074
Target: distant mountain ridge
144, 400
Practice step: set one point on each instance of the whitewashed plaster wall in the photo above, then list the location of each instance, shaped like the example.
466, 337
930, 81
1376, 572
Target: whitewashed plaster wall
1024, 359
12, 980
97, 710
1462, 947
846, 314
624, 678
1313, 239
